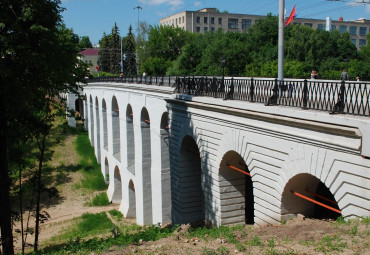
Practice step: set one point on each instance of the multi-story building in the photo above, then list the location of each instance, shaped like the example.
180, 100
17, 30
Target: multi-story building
210, 19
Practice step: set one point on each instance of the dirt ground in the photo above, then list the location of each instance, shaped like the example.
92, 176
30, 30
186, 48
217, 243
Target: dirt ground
296, 236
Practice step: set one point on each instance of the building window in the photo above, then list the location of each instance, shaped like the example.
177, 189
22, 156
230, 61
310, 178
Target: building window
246, 23
198, 19
212, 29
361, 42
179, 20
321, 27
308, 24
352, 30
233, 23
220, 21
363, 30
342, 29
205, 20
205, 29
333, 27
354, 41
212, 20
176, 22
198, 29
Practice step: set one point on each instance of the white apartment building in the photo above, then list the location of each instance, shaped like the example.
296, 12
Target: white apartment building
210, 19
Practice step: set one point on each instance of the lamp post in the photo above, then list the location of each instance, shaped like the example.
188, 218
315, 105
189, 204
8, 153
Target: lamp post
121, 56
138, 7
281, 42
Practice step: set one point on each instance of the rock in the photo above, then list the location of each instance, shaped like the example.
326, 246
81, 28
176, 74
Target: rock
301, 217
141, 241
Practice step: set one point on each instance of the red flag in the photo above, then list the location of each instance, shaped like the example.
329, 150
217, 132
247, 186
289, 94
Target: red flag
291, 17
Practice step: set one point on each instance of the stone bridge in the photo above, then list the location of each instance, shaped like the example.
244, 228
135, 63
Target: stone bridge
171, 156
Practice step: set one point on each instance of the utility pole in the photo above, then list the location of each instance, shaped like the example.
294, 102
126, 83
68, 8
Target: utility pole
281, 41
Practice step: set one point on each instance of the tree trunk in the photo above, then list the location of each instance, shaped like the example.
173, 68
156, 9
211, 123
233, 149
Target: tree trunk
41, 161
5, 217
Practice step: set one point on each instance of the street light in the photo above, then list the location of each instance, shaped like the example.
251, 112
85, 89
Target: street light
138, 7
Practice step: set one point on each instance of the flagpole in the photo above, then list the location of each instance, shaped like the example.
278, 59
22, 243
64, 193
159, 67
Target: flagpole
281, 41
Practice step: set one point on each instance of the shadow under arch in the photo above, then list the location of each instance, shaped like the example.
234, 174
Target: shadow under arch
86, 117
146, 149
311, 187
106, 170
131, 213
117, 193
116, 130
97, 114
105, 125
186, 182
236, 190
91, 115
130, 135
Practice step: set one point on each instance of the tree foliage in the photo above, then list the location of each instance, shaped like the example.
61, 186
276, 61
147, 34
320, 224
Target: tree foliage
38, 62
85, 43
110, 52
129, 66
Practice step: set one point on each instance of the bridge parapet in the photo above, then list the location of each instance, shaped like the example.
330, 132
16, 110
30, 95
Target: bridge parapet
350, 97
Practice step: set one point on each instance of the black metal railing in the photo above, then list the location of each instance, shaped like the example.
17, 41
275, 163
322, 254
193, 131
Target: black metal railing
148, 80
349, 97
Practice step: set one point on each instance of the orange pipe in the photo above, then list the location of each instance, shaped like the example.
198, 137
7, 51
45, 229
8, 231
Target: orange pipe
237, 169
147, 121
117, 110
131, 114
316, 202
322, 197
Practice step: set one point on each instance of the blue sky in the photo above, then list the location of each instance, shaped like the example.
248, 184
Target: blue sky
94, 17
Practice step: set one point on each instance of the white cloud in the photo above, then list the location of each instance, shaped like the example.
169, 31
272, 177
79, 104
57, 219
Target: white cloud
159, 2
197, 3
368, 8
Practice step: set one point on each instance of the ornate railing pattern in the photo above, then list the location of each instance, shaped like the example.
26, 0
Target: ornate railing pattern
325, 95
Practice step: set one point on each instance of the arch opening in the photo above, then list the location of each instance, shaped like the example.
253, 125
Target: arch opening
146, 164
131, 200
186, 180
311, 187
105, 125
86, 114
116, 130
97, 112
130, 135
79, 111
117, 193
106, 171
236, 190
92, 128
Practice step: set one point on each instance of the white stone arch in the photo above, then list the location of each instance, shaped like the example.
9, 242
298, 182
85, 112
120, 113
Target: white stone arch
187, 175
343, 176
131, 210
146, 161
117, 186
265, 163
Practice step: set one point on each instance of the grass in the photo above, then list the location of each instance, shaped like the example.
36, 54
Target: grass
92, 177
117, 215
100, 200
86, 225
76, 245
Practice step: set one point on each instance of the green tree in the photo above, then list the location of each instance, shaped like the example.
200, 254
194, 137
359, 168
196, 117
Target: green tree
104, 53
129, 66
115, 51
85, 43
38, 62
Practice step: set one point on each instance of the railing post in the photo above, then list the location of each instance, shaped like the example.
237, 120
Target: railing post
251, 96
305, 94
